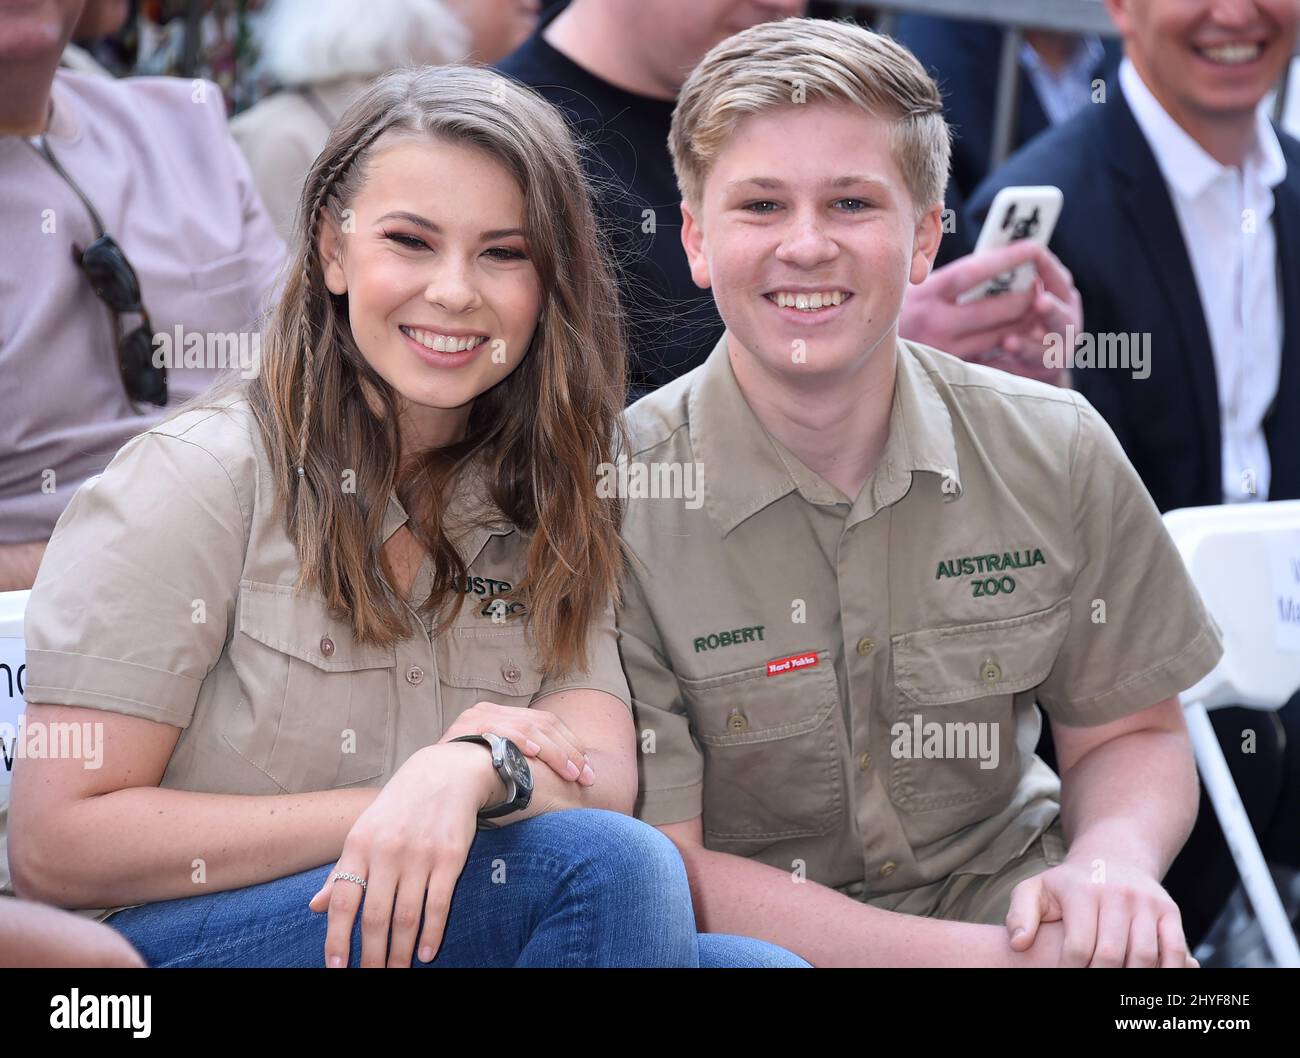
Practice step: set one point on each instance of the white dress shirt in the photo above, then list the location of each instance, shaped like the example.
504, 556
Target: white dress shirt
1226, 216
1063, 93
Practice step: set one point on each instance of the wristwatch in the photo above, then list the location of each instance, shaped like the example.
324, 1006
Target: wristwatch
512, 767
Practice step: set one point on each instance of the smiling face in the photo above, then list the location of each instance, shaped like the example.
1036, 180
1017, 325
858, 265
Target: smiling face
1208, 58
808, 236
442, 297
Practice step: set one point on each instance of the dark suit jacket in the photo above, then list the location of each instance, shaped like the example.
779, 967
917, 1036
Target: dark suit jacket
963, 58
1119, 236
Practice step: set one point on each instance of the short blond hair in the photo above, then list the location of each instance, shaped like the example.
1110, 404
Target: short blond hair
796, 60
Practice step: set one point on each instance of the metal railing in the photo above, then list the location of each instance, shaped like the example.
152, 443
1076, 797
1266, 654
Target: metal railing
1064, 16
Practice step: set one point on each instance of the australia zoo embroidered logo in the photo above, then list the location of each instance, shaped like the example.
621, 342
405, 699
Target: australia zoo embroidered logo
981, 570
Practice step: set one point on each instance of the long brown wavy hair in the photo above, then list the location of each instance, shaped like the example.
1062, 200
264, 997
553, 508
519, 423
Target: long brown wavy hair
541, 433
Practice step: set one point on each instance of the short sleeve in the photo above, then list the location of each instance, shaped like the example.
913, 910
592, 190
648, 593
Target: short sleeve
604, 673
671, 765
1139, 632
136, 592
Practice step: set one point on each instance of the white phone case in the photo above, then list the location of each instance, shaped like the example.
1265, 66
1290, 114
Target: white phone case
1016, 213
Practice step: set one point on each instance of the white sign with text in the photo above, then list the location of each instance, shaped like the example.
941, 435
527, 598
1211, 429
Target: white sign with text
1286, 591
12, 672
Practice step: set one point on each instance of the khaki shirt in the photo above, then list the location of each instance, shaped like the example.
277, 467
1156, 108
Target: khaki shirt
168, 593
849, 688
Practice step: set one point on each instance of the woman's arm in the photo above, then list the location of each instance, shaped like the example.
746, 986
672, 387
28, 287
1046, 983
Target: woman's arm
108, 836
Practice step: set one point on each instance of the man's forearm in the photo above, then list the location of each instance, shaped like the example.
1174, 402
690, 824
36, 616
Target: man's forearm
19, 563
614, 789
1133, 799
736, 895
33, 935
603, 727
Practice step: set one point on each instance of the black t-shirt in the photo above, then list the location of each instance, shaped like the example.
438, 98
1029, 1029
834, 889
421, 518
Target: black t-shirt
671, 323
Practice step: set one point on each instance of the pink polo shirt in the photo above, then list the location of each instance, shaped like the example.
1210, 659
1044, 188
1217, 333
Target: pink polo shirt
154, 157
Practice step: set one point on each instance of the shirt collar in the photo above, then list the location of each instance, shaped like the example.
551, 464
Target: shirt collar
920, 433
744, 473
1086, 57
63, 127
1185, 164
749, 470
470, 518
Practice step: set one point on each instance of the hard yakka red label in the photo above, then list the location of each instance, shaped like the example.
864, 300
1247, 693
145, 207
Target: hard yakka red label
778, 666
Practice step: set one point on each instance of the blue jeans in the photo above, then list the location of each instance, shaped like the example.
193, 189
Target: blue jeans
581, 887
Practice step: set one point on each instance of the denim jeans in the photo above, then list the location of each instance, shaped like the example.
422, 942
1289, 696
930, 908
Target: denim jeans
581, 887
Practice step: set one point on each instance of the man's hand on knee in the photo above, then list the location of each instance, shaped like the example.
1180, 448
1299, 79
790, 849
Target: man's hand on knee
1110, 914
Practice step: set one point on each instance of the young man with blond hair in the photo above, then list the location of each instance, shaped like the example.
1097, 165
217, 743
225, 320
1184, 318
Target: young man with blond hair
837, 658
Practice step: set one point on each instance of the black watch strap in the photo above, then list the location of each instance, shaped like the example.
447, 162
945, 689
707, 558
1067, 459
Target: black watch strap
513, 801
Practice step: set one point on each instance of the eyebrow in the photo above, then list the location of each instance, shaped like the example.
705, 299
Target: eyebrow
430, 226
771, 183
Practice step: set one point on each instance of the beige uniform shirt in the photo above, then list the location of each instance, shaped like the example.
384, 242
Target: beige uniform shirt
848, 688
168, 593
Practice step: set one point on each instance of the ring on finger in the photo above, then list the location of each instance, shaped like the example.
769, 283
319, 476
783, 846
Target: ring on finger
348, 876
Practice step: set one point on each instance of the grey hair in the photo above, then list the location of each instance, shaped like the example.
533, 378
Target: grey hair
315, 41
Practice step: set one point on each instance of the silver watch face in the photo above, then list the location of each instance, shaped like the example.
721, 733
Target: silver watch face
517, 764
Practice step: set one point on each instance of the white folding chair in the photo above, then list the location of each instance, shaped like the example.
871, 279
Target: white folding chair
12, 661
1245, 561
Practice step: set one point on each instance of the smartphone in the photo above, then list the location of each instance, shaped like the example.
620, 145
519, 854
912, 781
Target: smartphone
1017, 213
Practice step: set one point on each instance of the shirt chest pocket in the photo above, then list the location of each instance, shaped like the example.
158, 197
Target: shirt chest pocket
485, 664
216, 295
771, 749
316, 705
958, 699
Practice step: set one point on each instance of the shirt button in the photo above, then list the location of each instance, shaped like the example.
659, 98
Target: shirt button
991, 671
865, 761
889, 868
326, 646
737, 722
511, 672
414, 675
865, 645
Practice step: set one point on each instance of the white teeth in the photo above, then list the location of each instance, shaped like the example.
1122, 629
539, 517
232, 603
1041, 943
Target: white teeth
1231, 54
443, 343
808, 302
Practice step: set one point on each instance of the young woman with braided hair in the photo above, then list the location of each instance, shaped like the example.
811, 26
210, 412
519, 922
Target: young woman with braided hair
285, 609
